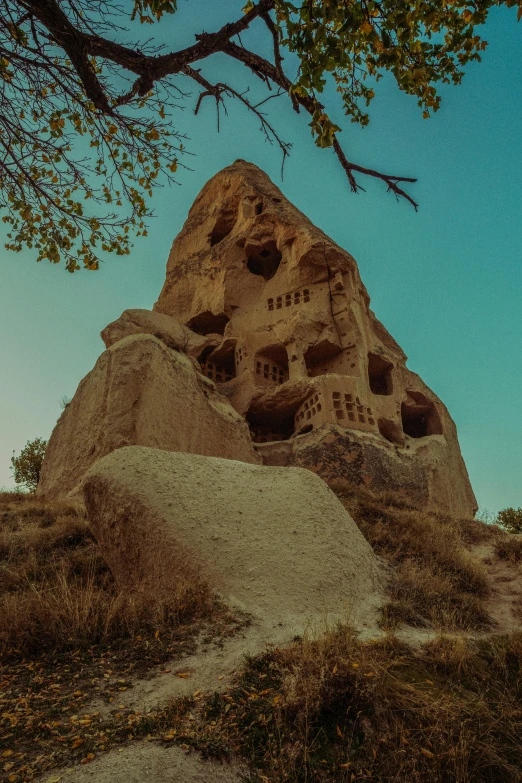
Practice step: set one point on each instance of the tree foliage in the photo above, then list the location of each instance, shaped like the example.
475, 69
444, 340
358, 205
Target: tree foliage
510, 519
28, 464
86, 129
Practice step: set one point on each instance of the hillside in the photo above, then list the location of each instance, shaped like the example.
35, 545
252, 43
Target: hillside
89, 671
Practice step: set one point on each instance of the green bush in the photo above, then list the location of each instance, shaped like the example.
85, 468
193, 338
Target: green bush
510, 519
28, 464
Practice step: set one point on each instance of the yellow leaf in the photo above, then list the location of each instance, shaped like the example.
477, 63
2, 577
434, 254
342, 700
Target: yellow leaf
7, 753
77, 742
54, 779
183, 675
427, 753
156, 635
467, 15
366, 28
339, 732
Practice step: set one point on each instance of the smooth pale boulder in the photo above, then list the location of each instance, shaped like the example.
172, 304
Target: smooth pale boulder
141, 392
274, 542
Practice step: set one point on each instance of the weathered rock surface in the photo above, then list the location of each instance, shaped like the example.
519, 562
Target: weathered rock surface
301, 350
141, 392
341, 457
274, 542
171, 332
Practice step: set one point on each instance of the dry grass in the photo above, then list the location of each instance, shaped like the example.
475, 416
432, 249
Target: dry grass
341, 711
509, 547
56, 591
435, 580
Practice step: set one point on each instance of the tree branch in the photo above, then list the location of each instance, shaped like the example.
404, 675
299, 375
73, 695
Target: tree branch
220, 89
80, 45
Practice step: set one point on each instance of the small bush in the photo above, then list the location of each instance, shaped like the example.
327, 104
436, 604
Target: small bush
510, 519
508, 548
27, 465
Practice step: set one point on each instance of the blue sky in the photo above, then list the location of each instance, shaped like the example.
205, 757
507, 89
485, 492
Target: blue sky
446, 281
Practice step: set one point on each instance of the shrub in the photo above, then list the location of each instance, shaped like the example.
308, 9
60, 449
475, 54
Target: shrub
510, 519
28, 464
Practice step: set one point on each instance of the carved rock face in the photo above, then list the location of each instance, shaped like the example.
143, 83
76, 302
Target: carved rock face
141, 392
301, 356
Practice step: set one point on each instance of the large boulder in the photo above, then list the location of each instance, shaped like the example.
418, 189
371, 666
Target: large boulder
274, 542
141, 392
168, 330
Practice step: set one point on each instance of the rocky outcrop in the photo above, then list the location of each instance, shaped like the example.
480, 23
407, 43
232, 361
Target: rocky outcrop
273, 542
302, 357
171, 332
141, 392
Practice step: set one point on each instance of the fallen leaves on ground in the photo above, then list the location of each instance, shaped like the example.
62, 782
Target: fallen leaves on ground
44, 722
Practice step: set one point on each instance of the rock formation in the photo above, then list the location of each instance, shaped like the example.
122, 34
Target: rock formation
280, 323
273, 542
141, 392
298, 351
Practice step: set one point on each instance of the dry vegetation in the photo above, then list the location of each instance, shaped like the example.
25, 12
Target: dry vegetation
435, 581
332, 710
57, 593
68, 635
338, 710
509, 548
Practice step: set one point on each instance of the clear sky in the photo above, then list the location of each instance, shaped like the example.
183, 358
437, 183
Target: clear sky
446, 281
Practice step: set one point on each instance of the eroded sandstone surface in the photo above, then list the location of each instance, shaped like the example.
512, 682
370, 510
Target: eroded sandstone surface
301, 355
263, 344
275, 543
140, 392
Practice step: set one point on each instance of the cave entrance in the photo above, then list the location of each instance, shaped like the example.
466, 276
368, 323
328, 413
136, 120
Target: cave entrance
420, 416
222, 228
318, 358
208, 323
219, 365
263, 260
268, 427
380, 374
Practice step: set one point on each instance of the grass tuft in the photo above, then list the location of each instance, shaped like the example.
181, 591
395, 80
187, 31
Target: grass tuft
435, 580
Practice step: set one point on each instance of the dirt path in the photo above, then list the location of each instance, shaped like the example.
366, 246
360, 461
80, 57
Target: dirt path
147, 762
505, 603
212, 667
